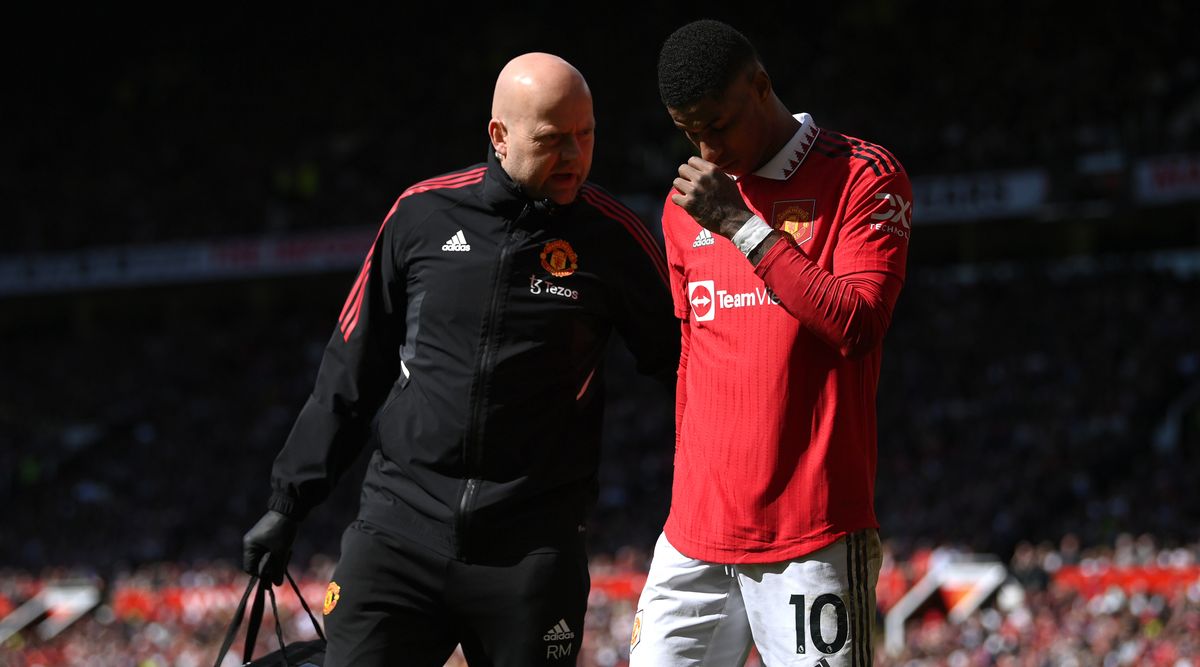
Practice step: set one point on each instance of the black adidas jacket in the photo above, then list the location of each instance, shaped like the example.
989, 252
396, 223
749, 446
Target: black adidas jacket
471, 350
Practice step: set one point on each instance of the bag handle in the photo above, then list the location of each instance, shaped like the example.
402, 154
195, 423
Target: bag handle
256, 617
278, 631
238, 615
300, 597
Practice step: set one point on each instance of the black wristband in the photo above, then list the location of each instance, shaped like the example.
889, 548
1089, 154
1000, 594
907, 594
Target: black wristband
759, 251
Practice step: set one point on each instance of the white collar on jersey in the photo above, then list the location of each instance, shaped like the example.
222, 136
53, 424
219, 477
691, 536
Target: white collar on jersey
788, 160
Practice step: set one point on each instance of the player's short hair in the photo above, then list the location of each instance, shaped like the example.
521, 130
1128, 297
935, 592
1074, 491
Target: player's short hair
701, 59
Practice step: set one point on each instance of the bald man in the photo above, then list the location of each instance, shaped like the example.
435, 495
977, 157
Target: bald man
470, 353
542, 126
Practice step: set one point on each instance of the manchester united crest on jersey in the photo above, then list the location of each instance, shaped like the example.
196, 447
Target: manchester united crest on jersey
636, 637
795, 217
559, 258
332, 595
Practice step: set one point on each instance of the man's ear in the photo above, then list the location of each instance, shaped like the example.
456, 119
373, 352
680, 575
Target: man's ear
498, 133
761, 82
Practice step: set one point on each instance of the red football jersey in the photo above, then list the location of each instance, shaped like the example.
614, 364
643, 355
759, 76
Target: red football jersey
776, 443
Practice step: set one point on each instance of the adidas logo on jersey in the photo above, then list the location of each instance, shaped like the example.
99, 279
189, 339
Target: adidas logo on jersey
704, 238
559, 632
456, 243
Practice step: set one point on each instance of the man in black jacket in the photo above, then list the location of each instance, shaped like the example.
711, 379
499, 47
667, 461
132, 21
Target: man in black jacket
469, 353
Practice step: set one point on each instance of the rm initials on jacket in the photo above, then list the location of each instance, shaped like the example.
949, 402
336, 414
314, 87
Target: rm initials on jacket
457, 243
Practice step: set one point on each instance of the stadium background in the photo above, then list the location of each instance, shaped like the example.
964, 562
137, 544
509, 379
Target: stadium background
1040, 397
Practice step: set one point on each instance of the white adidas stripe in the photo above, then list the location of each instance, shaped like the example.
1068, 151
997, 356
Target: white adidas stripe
457, 242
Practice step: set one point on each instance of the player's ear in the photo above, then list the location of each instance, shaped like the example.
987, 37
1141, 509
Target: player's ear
498, 133
760, 81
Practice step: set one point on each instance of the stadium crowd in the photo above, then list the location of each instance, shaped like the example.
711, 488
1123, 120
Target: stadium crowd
197, 129
141, 432
169, 615
1035, 410
1004, 421
1061, 621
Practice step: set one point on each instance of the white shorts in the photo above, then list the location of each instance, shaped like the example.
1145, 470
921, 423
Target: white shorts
817, 610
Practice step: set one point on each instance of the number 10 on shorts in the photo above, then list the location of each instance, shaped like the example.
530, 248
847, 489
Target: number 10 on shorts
810, 625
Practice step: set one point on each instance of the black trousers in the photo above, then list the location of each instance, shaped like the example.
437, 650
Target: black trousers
400, 604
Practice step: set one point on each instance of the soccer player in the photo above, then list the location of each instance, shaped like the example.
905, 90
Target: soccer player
786, 244
470, 354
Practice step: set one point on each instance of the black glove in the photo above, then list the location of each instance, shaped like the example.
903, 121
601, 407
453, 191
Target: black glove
272, 535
